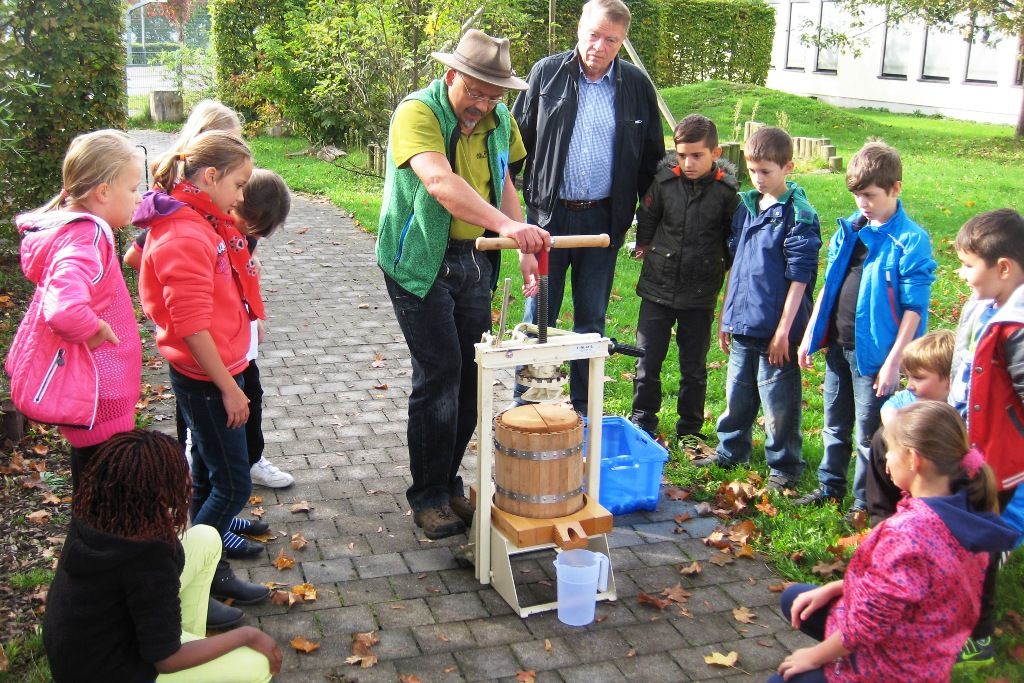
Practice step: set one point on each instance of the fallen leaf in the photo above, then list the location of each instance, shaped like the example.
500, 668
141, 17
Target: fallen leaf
306, 590
676, 493
5, 664
38, 517
766, 507
40, 449
632, 652
262, 538
859, 520
50, 499
526, 676
683, 518
255, 500
645, 599
361, 654
302, 506
745, 550
285, 598
283, 561
676, 593
258, 512
382, 387
300, 644
702, 509
779, 587
718, 659
409, 678
547, 645
827, 569
742, 532
302, 231
443, 638
691, 569
378, 360
299, 541
721, 559
744, 615
450, 669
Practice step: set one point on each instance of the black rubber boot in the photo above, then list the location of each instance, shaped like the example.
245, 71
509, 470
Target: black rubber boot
227, 585
220, 617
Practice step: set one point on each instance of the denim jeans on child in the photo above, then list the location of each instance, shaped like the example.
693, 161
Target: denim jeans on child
220, 462
693, 337
753, 382
593, 269
851, 409
814, 626
440, 330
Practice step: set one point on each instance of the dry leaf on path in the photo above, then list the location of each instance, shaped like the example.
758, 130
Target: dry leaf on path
676, 593
683, 518
632, 652
301, 644
283, 561
378, 360
547, 645
676, 493
306, 590
691, 569
361, 654
302, 506
299, 541
718, 659
526, 676
744, 615
255, 500
746, 551
721, 559
645, 599
779, 587
38, 517
766, 507
258, 512
380, 387
409, 678
50, 499
284, 598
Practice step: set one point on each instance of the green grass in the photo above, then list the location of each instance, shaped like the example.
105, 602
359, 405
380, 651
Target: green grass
32, 578
952, 170
27, 659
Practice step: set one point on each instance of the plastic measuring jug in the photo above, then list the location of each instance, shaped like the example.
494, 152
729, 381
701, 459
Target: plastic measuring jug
581, 574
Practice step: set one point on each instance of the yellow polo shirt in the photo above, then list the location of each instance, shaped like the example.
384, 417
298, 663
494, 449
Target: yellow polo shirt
415, 129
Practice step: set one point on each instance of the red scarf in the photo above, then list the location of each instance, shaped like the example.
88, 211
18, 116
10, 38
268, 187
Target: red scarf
242, 264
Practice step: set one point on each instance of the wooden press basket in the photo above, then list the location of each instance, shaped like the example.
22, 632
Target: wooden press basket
538, 461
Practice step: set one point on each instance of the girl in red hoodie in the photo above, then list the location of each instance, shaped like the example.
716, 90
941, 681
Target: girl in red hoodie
912, 591
198, 284
76, 360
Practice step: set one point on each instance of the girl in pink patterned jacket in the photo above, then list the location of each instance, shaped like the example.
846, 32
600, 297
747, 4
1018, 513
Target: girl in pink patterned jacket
912, 591
77, 359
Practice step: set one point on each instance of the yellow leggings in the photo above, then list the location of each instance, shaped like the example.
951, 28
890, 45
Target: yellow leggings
202, 546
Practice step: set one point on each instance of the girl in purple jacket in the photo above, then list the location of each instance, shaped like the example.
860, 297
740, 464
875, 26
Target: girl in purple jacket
912, 591
77, 359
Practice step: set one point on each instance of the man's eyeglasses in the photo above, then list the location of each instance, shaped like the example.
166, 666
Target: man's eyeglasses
476, 97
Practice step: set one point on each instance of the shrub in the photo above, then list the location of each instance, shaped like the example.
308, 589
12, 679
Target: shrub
64, 62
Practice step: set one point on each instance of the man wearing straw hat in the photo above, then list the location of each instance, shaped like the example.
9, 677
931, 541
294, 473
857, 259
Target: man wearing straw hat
447, 182
591, 126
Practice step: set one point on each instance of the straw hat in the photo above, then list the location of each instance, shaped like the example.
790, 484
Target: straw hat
484, 58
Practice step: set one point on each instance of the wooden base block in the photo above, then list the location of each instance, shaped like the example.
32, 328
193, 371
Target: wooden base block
527, 531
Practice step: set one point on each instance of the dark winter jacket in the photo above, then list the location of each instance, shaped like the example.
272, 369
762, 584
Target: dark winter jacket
546, 114
113, 608
770, 249
686, 224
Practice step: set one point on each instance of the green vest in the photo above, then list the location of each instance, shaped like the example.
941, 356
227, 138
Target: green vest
412, 234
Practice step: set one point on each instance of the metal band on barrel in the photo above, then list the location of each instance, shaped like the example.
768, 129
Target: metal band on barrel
538, 455
541, 500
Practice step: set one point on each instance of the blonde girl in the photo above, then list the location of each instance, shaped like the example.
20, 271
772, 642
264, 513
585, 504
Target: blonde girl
912, 590
76, 360
198, 284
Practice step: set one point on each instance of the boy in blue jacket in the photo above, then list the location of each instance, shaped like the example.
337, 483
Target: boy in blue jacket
774, 248
874, 302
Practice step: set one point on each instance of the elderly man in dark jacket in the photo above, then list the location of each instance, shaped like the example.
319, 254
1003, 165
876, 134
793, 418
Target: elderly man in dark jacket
591, 127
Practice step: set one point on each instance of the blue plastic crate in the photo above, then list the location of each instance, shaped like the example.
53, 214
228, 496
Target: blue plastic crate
631, 466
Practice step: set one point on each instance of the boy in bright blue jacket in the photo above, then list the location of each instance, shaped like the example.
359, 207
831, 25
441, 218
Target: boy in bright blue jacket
874, 302
774, 247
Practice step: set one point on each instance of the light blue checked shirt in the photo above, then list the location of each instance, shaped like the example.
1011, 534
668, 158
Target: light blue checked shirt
588, 168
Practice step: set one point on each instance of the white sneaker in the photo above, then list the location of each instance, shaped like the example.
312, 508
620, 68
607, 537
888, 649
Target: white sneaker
266, 473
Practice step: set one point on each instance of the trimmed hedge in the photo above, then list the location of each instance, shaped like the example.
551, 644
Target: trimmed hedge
74, 50
728, 40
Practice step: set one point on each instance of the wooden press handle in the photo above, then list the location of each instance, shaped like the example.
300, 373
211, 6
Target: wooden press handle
560, 242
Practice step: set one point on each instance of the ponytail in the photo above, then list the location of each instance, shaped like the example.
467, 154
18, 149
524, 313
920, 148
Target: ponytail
215, 149
937, 432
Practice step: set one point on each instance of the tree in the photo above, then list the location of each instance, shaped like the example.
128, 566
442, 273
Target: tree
969, 17
178, 12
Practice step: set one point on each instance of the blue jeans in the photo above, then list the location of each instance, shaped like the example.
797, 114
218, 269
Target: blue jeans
693, 337
220, 459
753, 382
440, 330
851, 407
592, 273
814, 626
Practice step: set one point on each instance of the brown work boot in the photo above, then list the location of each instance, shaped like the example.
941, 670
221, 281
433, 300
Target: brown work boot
463, 509
438, 522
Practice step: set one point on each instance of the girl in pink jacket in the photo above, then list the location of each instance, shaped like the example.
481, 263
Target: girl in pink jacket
76, 360
912, 591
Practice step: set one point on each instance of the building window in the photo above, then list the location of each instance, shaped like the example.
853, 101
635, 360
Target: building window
796, 52
939, 48
896, 57
828, 58
982, 58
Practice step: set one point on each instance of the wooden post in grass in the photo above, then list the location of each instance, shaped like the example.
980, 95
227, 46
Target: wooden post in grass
828, 151
835, 164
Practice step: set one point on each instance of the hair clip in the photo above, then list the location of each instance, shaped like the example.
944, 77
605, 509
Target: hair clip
64, 193
972, 461
181, 157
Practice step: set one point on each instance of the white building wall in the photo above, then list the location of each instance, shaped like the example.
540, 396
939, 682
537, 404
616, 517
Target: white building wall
859, 82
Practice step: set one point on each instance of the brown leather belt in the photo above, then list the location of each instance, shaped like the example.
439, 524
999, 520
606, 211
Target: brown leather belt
582, 204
